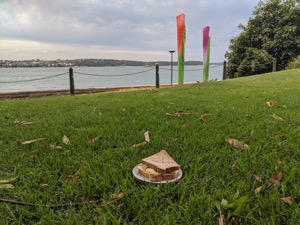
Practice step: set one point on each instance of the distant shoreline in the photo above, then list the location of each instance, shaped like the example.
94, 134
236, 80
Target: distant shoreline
88, 63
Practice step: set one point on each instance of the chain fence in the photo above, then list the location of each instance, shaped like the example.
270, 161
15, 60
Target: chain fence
156, 69
100, 75
35, 79
114, 75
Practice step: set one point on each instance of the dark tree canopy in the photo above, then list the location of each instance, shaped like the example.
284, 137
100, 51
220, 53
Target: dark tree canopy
273, 33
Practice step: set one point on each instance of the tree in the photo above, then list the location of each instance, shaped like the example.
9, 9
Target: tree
273, 33
295, 63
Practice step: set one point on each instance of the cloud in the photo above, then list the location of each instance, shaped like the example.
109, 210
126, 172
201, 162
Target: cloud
32, 50
146, 26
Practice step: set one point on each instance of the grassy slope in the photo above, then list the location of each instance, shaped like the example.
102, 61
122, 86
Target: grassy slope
213, 170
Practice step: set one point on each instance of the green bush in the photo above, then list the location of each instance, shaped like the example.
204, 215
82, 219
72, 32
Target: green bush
295, 63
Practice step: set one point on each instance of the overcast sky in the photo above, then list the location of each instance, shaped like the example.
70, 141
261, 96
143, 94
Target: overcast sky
116, 29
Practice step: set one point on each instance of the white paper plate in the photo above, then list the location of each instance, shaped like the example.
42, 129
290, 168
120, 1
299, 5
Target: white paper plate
140, 177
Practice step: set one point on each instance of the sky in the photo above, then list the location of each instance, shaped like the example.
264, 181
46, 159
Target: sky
143, 30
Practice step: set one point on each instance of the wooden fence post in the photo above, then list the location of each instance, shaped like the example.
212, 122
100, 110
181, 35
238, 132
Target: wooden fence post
72, 88
157, 75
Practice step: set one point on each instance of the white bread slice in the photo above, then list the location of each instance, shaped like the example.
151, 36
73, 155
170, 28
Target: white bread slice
161, 162
153, 175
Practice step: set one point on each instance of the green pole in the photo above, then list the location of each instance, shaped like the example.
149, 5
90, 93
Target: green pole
157, 75
208, 58
72, 88
224, 70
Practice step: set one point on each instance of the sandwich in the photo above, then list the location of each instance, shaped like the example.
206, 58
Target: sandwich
159, 167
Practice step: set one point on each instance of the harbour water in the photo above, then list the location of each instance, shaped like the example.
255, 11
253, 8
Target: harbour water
57, 78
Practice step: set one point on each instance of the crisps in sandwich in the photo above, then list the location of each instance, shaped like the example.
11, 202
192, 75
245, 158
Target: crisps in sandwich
159, 167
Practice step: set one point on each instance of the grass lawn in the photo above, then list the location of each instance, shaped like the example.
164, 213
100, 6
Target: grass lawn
89, 180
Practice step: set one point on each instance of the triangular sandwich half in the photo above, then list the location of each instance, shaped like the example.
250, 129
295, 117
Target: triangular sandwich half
159, 166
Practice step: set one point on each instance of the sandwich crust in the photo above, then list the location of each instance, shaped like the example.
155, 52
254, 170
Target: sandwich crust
161, 162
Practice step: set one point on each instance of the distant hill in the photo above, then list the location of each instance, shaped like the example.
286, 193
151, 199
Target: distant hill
113, 62
87, 62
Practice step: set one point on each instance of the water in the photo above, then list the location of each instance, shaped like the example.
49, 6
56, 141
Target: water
17, 79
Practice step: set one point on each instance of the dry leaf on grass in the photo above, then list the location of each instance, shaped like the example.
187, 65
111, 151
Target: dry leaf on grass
187, 125
236, 143
275, 179
69, 180
114, 198
117, 196
32, 141
222, 219
44, 186
234, 164
257, 190
278, 118
169, 114
66, 140
289, 200
74, 178
84, 199
279, 136
6, 181
142, 144
271, 103
253, 135
56, 147
258, 178
179, 113
22, 123
93, 140
147, 138
204, 116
